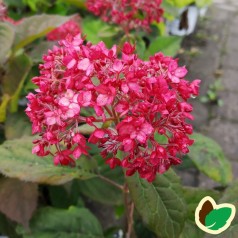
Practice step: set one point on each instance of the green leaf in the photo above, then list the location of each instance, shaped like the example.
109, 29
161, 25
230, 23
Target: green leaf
203, 3
34, 27
40, 49
78, 3
160, 204
7, 35
183, 3
209, 158
100, 190
16, 159
140, 47
7, 227
170, 11
217, 218
161, 139
194, 195
169, 45
17, 125
14, 78
180, 3
65, 195
86, 129
97, 30
191, 230
54, 223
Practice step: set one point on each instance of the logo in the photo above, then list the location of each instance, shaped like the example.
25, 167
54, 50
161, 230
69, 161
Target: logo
213, 218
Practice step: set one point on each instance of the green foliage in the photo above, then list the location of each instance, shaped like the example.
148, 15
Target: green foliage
13, 80
32, 28
7, 227
169, 45
97, 30
17, 125
160, 204
36, 4
203, 3
7, 35
17, 159
66, 195
209, 158
100, 190
39, 50
191, 230
77, 3
194, 195
54, 222
183, 3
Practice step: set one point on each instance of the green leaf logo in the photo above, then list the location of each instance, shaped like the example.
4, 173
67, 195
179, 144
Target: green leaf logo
213, 218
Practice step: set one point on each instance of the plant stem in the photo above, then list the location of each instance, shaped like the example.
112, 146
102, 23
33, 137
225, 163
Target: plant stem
111, 182
129, 213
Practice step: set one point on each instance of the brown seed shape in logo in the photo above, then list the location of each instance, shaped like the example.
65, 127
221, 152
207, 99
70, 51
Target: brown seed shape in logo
206, 208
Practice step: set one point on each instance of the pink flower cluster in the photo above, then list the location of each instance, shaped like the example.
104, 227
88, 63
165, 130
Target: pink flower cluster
70, 27
136, 99
4, 16
129, 14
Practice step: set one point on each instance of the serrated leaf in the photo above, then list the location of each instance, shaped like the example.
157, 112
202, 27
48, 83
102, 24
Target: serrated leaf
34, 27
16, 159
169, 45
7, 35
160, 204
191, 231
209, 158
217, 218
18, 199
100, 190
72, 222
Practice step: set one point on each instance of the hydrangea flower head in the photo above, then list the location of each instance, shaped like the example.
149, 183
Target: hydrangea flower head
137, 99
129, 14
70, 27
